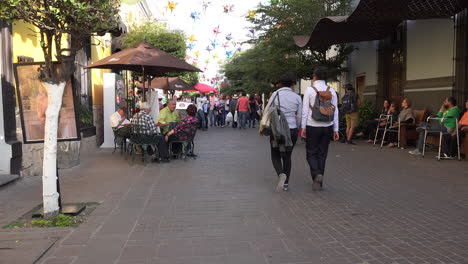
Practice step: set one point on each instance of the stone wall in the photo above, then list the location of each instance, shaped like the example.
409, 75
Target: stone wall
68, 155
98, 117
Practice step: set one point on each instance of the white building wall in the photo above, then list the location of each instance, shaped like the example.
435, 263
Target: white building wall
363, 61
430, 48
430, 55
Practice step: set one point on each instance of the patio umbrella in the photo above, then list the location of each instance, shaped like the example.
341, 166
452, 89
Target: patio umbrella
145, 59
168, 83
205, 88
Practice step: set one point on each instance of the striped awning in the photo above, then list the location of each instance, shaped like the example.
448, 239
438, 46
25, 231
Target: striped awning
376, 19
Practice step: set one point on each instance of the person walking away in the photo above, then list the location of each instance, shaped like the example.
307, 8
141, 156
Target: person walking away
290, 105
243, 109
318, 128
350, 103
233, 108
200, 113
253, 111
448, 109
258, 98
211, 112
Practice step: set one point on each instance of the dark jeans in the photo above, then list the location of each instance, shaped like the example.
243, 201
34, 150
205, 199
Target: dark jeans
449, 144
370, 128
243, 116
234, 123
252, 118
160, 143
282, 160
123, 132
430, 127
317, 141
220, 118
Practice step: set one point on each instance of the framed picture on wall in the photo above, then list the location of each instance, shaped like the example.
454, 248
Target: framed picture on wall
32, 100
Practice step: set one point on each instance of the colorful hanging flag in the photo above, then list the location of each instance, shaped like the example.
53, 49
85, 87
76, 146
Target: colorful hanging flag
195, 15
171, 5
214, 43
251, 14
216, 30
192, 38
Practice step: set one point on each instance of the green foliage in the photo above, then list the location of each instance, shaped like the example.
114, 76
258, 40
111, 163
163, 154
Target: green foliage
60, 220
190, 77
61, 20
275, 52
172, 42
86, 116
41, 223
15, 224
156, 34
366, 112
63, 220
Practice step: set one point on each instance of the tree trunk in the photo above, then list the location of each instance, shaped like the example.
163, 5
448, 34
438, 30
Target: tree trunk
49, 164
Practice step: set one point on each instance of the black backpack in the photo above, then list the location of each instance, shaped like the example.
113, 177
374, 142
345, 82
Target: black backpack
349, 103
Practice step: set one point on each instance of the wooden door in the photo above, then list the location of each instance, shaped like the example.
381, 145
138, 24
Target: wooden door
360, 85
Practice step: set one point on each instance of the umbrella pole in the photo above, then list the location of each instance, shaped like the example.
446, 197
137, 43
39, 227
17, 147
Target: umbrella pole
144, 92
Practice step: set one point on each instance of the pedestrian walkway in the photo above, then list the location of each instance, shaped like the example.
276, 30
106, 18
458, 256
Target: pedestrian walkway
378, 206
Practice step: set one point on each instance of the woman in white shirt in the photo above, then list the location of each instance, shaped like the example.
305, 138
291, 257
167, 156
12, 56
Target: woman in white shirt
291, 106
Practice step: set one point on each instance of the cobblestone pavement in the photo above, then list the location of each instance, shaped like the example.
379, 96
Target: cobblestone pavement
378, 206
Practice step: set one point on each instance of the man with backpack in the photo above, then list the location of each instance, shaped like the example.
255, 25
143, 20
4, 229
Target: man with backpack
349, 106
319, 124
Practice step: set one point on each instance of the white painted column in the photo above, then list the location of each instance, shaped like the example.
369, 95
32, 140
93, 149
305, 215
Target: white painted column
109, 84
5, 149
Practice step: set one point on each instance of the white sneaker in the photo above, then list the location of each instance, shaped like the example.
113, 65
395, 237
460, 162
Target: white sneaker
415, 152
281, 180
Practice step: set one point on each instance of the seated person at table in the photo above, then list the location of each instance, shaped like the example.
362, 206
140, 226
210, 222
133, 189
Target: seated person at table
372, 125
148, 128
119, 121
185, 129
406, 116
167, 116
448, 109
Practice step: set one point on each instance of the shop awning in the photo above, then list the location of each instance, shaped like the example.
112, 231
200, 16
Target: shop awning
376, 19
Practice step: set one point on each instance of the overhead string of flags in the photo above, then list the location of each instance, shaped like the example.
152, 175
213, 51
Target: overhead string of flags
208, 51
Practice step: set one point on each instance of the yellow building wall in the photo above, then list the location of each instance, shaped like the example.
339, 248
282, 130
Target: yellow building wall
27, 43
100, 48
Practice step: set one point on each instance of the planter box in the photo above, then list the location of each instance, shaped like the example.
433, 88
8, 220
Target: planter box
88, 131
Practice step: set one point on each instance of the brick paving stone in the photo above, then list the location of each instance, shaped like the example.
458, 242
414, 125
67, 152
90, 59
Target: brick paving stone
378, 206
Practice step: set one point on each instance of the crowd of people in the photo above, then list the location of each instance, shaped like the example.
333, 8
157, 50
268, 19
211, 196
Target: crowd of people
220, 110
285, 118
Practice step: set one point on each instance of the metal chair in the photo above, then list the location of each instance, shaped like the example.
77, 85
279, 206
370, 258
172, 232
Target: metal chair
138, 139
388, 119
187, 147
440, 120
119, 141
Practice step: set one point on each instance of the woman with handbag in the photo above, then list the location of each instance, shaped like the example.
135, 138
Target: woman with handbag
287, 105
